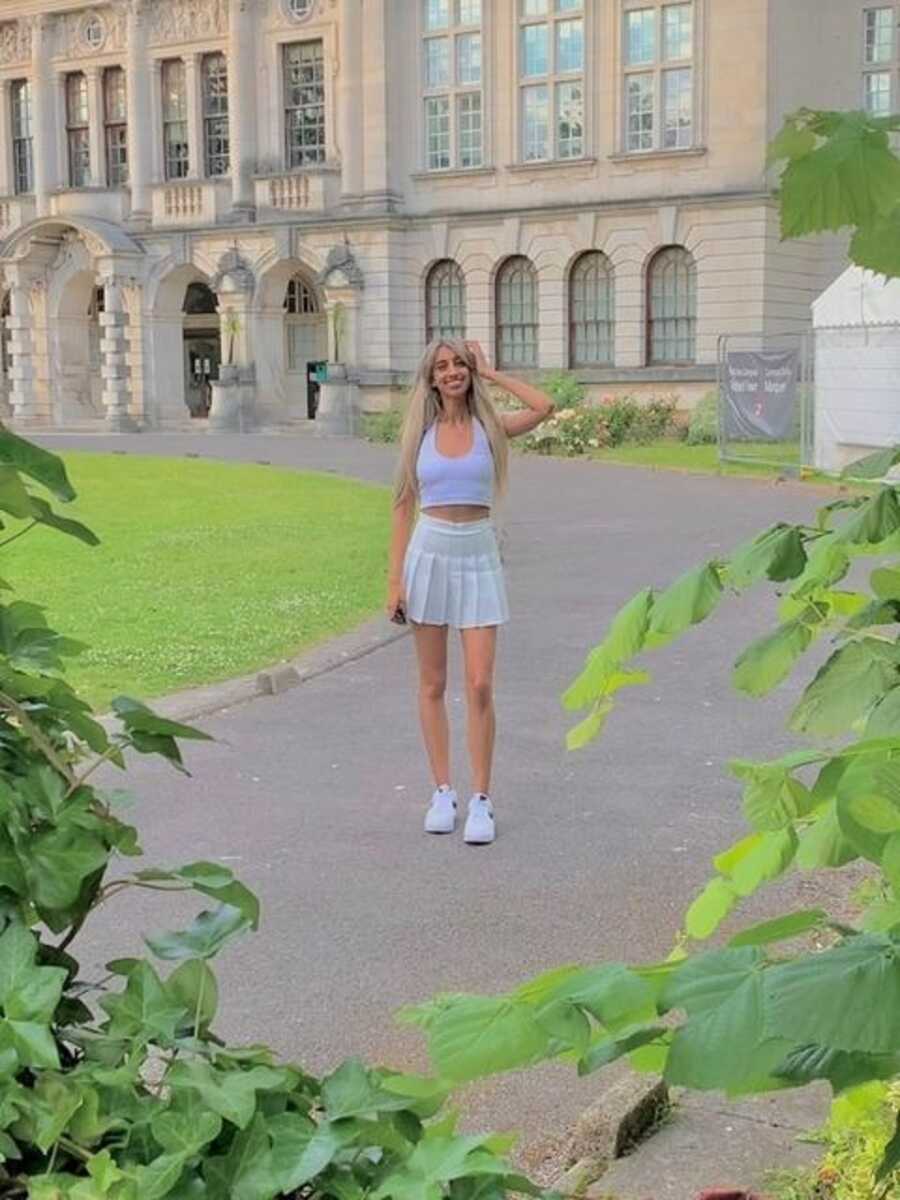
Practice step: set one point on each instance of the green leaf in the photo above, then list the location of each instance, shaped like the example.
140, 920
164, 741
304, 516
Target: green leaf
144, 1009
624, 640
194, 986
137, 716
204, 938
301, 1151
231, 1094
44, 515
824, 844
59, 862
842, 1069
873, 466
793, 141
710, 909
849, 684
247, 1171
27, 992
769, 859
14, 499
781, 928
890, 863
610, 1049
777, 554
475, 1036
847, 998
42, 466
688, 601
891, 1160
878, 518
585, 731
770, 659
884, 719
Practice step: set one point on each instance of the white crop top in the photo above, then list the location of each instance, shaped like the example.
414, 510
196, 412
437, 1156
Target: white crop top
465, 479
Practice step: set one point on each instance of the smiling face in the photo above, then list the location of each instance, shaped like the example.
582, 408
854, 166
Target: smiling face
451, 376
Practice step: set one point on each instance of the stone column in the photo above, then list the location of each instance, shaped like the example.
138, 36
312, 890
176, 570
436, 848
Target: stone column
143, 125
242, 90
114, 358
22, 398
43, 114
338, 410
375, 115
350, 99
196, 165
96, 131
157, 167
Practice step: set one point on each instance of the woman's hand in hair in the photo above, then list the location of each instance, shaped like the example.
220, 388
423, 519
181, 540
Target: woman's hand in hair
482, 366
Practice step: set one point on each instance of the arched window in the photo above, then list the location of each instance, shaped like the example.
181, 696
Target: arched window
591, 311
671, 307
304, 325
445, 301
199, 298
517, 314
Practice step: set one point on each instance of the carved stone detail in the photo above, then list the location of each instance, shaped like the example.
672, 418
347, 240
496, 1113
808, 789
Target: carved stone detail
82, 34
342, 262
15, 43
233, 266
187, 20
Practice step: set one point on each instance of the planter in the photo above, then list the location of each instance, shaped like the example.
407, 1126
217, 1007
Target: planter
231, 410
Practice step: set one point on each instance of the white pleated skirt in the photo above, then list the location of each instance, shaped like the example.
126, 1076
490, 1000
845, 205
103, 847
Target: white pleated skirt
453, 576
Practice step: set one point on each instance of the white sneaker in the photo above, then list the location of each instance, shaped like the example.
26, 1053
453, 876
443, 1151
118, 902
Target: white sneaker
441, 815
479, 830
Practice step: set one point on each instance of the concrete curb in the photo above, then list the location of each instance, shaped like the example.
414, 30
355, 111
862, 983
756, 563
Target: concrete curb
273, 681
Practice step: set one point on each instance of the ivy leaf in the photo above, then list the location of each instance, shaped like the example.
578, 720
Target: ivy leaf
246, 1172
231, 1094
204, 938
194, 986
145, 1009
58, 863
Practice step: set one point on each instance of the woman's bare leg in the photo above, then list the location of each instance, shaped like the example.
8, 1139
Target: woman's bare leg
479, 651
431, 651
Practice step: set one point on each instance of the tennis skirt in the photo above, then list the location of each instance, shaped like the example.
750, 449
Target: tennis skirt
453, 576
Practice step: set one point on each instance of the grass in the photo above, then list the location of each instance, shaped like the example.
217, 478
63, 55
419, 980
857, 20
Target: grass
669, 454
205, 571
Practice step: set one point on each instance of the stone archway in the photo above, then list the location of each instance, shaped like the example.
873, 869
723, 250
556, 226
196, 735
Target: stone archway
184, 330
291, 334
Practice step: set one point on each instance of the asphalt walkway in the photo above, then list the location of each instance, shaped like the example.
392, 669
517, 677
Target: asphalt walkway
316, 797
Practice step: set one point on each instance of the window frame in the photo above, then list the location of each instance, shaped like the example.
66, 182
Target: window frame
553, 80
503, 361
115, 129
78, 132
455, 282
606, 325
215, 116
306, 317
889, 68
454, 92
321, 147
169, 123
658, 71
650, 320
22, 143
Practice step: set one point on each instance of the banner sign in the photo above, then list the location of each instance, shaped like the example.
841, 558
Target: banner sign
759, 395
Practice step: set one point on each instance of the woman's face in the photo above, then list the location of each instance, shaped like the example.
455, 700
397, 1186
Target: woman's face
451, 375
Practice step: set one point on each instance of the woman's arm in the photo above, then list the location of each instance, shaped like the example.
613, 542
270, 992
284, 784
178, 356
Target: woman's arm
401, 527
538, 404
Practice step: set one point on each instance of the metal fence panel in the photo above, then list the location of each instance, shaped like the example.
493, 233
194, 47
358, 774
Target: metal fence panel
766, 400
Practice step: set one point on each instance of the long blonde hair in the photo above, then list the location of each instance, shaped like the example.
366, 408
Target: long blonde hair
425, 407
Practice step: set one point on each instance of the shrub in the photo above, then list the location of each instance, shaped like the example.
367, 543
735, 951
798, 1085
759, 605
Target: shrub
565, 389
120, 1089
382, 426
703, 427
570, 432
628, 421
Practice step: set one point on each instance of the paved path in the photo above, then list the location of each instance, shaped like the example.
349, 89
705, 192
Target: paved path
316, 797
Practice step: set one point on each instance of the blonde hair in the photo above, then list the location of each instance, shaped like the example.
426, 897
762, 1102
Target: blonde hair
425, 407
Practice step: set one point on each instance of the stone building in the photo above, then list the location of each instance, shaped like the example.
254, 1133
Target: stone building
241, 189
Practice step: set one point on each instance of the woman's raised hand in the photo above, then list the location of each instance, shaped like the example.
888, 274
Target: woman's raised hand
482, 366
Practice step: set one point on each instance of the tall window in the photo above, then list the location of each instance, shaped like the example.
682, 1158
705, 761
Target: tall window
115, 117
303, 324
517, 314
591, 311
22, 136
551, 79
77, 132
658, 55
452, 79
880, 60
303, 68
671, 307
215, 114
175, 126
445, 301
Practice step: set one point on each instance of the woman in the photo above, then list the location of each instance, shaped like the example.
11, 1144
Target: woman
447, 573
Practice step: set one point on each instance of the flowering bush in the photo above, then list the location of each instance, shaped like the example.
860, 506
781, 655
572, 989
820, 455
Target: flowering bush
570, 431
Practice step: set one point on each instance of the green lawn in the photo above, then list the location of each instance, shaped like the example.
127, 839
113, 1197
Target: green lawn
205, 571
672, 455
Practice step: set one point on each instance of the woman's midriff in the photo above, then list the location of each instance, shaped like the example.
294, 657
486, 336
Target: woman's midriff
459, 513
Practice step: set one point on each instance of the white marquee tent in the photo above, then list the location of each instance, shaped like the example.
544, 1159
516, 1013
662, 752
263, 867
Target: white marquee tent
857, 367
